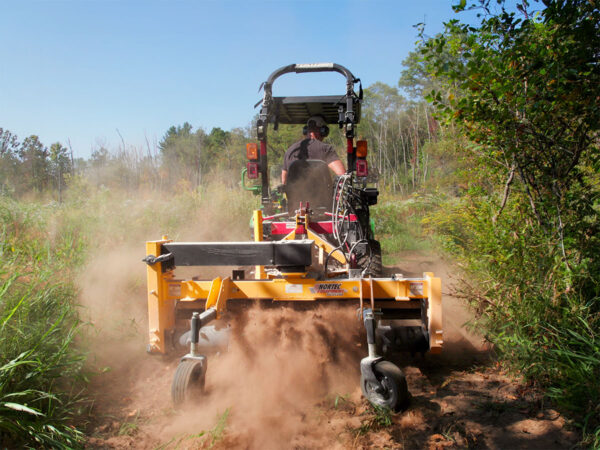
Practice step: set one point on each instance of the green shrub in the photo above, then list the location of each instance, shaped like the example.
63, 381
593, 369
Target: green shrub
542, 318
43, 246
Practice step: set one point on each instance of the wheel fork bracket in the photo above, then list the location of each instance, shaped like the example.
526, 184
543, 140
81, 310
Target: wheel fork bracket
198, 321
367, 364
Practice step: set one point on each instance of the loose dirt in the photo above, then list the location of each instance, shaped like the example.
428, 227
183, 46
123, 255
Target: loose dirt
290, 379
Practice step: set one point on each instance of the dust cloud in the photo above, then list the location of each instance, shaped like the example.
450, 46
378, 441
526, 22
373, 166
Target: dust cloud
281, 367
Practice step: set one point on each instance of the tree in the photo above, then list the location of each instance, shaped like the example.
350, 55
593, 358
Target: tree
399, 131
60, 166
182, 153
100, 158
8, 160
35, 167
528, 97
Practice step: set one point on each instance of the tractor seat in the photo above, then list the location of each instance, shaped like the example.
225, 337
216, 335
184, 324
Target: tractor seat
309, 180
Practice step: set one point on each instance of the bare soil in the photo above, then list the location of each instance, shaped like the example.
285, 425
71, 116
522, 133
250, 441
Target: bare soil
290, 379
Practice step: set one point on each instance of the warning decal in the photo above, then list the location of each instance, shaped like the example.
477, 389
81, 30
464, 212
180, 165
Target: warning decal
416, 289
293, 289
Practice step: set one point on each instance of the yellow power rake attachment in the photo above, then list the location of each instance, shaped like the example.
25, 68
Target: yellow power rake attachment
319, 253
282, 275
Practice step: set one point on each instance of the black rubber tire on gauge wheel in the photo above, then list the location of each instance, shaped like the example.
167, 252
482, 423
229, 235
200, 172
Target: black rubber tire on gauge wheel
188, 381
393, 394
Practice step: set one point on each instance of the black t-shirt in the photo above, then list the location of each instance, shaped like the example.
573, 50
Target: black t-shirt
316, 150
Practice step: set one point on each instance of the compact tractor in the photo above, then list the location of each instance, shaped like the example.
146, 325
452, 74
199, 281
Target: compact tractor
313, 243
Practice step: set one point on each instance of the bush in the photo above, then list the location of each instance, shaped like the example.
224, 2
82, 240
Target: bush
43, 246
542, 318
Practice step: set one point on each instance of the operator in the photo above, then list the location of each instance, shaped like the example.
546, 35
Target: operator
313, 147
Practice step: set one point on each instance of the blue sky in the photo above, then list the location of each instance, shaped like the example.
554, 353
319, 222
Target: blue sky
80, 70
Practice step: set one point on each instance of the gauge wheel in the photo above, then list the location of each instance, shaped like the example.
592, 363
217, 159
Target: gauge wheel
188, 382
391, 392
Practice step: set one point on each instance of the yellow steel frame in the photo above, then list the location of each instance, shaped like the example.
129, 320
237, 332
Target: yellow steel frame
161, 306
166, 294
257, 218
321, 243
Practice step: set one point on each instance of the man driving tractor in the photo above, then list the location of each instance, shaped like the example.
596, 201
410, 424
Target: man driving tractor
312, 147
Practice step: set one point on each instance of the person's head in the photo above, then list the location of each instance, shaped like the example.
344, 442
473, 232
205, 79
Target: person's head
316, 127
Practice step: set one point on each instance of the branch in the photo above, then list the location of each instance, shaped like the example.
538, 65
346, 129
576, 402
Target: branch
511, 175
561, 227
531, 202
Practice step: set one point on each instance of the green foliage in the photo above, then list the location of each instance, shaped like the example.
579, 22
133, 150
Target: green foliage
8, 161
279, 141
515, 81
377, 418
39, 363
524, 296
204, 439
130, 427
188, 157
60, 166
216, 434
523, 91
398, 225
34, 163
42, 247
415, 79
29, 166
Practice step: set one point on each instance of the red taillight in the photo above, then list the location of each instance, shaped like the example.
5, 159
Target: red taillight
362, 169
252, 169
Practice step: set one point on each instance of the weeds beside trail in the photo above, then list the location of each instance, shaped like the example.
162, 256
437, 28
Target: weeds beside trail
397, 225
40, 367
543, 320
43, 248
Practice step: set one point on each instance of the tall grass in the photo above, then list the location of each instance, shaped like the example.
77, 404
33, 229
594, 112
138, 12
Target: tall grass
40, 366
40, 370
43, 247
543, 319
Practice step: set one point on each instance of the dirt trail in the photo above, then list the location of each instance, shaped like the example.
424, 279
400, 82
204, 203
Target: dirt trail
291, 380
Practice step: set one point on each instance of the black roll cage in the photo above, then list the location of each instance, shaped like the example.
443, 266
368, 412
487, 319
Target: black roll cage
341, 109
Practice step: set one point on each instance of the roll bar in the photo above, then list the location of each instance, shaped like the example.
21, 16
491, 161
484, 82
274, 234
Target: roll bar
314, 67
349, 114
305, 68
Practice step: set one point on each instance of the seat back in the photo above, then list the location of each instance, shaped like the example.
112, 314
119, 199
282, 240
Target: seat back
309, 180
